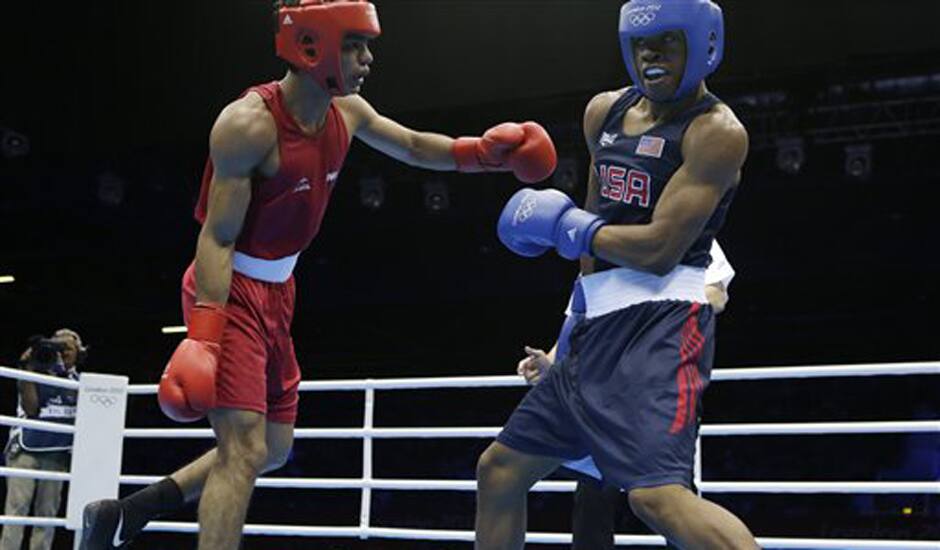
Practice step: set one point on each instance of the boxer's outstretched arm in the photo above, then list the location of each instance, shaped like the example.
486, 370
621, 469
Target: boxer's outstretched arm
422, 149
714, 149
525, 149
242, 136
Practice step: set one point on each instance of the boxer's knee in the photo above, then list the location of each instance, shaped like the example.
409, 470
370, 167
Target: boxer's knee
656, 504
242, 448
496, 471
502, 470
280, 440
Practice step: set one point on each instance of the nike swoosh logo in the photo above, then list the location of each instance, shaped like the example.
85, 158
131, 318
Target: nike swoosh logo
116, 541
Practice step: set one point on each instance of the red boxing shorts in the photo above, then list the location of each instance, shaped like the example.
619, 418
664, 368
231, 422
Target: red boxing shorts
258, 369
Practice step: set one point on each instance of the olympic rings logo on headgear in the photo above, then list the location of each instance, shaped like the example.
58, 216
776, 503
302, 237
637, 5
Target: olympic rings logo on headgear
642, 19
525, 210
643, 15
103, 400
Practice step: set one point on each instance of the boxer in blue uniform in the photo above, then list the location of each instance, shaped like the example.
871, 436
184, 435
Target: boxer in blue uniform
597, 507
636, 351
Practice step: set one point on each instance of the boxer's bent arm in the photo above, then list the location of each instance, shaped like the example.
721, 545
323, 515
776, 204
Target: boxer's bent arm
714, 149
241, 138
421, 149
228, 202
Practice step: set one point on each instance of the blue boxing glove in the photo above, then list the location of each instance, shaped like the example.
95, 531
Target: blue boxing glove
534, 221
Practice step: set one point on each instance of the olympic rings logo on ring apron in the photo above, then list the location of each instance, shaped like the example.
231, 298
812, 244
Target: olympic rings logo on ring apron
103, 400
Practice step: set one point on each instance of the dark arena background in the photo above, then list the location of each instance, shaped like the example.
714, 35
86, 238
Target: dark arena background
105, 110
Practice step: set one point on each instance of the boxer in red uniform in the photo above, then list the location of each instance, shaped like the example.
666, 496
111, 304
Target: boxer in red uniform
275, 155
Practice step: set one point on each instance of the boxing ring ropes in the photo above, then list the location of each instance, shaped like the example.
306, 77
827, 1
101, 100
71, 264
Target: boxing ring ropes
368, 433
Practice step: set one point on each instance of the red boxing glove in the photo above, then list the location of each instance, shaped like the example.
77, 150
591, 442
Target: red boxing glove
525, 149
187, 387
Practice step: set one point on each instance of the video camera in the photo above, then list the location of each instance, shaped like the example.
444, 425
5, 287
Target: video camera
45, 351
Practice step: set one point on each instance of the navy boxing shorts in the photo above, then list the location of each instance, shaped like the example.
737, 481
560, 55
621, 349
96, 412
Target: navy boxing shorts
625, 391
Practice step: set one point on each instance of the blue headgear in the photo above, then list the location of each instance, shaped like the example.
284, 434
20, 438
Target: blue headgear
700, 20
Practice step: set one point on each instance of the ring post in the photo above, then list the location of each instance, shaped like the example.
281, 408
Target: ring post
365, 509
98, 445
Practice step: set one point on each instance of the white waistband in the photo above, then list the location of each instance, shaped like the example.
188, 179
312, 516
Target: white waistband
622, 287
269, 271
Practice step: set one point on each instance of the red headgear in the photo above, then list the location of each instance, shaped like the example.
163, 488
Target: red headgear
310, 35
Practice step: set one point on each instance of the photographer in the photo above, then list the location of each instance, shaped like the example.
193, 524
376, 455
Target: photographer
37, 449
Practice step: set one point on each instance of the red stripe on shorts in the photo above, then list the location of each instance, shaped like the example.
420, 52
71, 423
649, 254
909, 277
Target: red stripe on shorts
679, 421
688, 381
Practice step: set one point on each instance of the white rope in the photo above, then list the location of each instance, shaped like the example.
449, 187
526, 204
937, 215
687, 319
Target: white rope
414, 383
48, 380
262, 529
142, 389
29, 520
772, 487
41, 425
828, 371
854, 544
324, 433
812, 487
34, 474
358, 483
170, 433
534, 538
433, 433
809, 428
271, 482
918, 426
750, 373
385, 384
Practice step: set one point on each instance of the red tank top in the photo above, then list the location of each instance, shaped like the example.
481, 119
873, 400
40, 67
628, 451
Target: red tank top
286, 210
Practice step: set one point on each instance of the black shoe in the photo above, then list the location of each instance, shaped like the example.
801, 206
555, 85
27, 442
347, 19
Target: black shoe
103, 526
